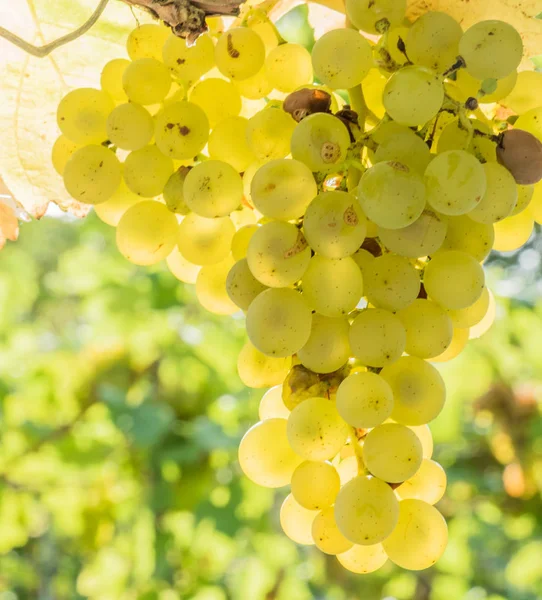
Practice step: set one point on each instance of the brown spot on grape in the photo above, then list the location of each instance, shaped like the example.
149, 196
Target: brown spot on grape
299, 246
170, 125
183, 130
181, 61
350, 216
231, 50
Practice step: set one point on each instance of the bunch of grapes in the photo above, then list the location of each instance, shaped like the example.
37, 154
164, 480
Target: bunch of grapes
351, 235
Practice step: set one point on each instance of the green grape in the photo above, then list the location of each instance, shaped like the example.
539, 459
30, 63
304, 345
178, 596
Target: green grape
391, 194
256, 370
213, 189
391, 282
392, 43
460, 338
363, 258
241, 240
473, 88
288, 67
514, 232
205, 241
392, 452
348, 469
239, 53
62, 151
424, 435
364, 400
407, 148
279, 322
92, 175
455, 182
419, 538
376, 16
413, 96
278, 254
366, 510
130, 126
296, 521
256, 86
181, 130
228, 142
421, 238
146, 41
282, 189
173, 192
146, 233
341, 58
428, 328
242, 286
525, 195
146, 81
326, 534
272, 405
526, 93
315, 429
468, 236
473, 314
418, 390
327, 348
428, 484
265, 455
454, 279
363, 559
332, 287
82, 114
315, 484
211, 289
482, 327
373, 88
111, 79
219, 99
530, 121
181, 268
189, 63
491, 49
259, 22
334, 225
269, 132
146, 171
500, 197
433, 41
320, 140
114, 207
377, 337
455, 136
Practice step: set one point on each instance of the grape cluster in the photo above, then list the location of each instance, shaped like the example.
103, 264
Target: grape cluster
352, 236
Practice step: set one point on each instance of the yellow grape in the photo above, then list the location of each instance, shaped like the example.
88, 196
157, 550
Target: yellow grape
269, 132
146, 81
392, 43
296, 521
405, 147
363, 559
113, 208
391, 282
513, 232
315, 484
525, 195
242, 286
146, 41
189, 63
428, 484
483, 326
288, 67
327, 348
376, 16
218, 98
130, 126
173, 192
265, 455
255, 87
363, 258
82, 114
454, 136
373, 88
111, 79
473, 88
146, 171
63, 149
228, 143
421, 238
241, 240
460, 338
205, 241
259, 22
239, 53
526, 93
500, 197
272, 406
256, 370
473, 314
326, 534
211, 288
181, 268
181, 130
424, 435
347, 469
469, 236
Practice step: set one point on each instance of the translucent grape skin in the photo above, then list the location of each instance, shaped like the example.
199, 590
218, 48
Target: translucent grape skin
256, 370
326, 534
272, 406
146, 81
269, 132
288, 67
500, 196
82, 114
146, 171
363, 559
467, 235
242, 286
376, 16
219, 99
205, 241
327, 348
315, 484
181, 130
111, 79
239, 53
146, 41
422, 238
211, 289
296, 521
130, 126
428, 484
227, 142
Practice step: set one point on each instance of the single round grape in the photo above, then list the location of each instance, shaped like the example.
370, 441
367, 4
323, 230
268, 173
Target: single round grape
473, 314
483, 326
296, 521
326, 534
239, 53
173, 192
418, 390
315, 429
377, 337
327, 348
420, 537
272, 405
205, 241
428, 484
525, 195
474, 88
526, 93
218, 98
288, 67
256, 370
181, 268
426, 438
242, 286
114, 207
228, 142
334, 225
363, 559
455, 181
315, 484
404, 147
468, 236
82, 114
391, 282
92, 175
278, 254
392, 452
62, 151
366, 510
514, 232
282, 189
421, 238
111, 79
428, 328
279, 322
332, 287
146, 41
364, 400
211, 288
181, 130
189, 63
500, 197
454, 279
413, 96
146, 81
269, 132
454, 136
376, 16
259, 22
363, 258
319, 141
460, 338
241, 240
391, 195
265, 455
491, 49
146, 171
255, 87
130, 126
147, 233
341, 58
